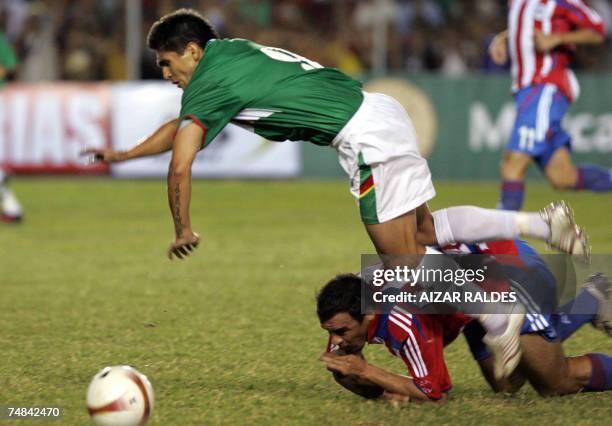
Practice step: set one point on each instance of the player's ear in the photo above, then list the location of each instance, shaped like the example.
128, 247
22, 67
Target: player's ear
194, 50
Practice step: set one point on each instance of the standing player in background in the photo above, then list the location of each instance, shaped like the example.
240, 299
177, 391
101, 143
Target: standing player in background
10, 209
281, 95
541, 39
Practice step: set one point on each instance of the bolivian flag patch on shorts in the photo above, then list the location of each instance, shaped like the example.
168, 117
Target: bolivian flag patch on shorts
367, 193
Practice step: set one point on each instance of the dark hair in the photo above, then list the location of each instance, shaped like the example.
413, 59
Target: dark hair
341, 294
173, 31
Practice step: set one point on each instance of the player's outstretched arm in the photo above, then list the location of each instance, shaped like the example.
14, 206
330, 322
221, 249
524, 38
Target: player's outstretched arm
498, 49
160, 141
186, 145
352, 370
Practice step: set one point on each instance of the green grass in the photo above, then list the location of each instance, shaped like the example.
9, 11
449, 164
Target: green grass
230, 335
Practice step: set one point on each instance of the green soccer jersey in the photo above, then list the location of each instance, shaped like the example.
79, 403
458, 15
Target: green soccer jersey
8, 60
275, 93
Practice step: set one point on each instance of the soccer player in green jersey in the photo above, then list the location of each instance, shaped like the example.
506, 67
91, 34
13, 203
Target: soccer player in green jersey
283, 96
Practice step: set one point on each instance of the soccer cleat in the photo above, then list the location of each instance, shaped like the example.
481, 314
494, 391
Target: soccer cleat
599, 286
506, 347
565, 235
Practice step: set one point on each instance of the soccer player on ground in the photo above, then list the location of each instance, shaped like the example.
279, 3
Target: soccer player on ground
10, 209
543, 363
281, 95
541, 40
419, 340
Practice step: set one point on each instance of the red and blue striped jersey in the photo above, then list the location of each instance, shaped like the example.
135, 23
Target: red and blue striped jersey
547, 16
419, 340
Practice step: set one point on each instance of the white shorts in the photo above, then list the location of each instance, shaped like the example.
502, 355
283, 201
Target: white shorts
378, 149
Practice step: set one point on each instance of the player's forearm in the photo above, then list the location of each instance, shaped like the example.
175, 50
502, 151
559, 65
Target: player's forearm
584, 36
179, 196
359, 386
157, 143
393, 383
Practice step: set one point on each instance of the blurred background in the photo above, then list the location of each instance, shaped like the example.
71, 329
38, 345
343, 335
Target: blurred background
104, 39
436, 51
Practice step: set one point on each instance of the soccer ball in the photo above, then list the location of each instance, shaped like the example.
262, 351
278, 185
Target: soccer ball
120, 396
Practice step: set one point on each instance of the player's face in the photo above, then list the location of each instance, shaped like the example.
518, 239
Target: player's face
178, 68
346, 332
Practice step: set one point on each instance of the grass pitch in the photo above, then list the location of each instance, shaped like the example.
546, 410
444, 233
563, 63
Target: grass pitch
229, 336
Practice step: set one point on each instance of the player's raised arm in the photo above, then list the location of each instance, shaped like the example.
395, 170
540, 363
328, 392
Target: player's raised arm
160, 141
186, 145
547, 42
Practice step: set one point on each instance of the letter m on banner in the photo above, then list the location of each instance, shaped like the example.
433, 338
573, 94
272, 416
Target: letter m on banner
486, 133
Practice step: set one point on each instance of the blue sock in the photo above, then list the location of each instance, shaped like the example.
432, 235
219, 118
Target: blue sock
595, 178
601, 373
512, 195
568, 318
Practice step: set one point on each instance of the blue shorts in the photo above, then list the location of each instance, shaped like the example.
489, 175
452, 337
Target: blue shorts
536, 289
537, 130
474, 332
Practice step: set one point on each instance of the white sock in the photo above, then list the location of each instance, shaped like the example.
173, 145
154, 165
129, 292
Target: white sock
469, 224
532, 225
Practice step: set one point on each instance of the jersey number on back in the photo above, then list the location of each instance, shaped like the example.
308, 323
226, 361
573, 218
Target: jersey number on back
286, 56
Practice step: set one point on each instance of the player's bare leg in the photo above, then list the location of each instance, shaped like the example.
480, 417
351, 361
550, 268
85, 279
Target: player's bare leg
563, 174
560, 171
514, 165
513, 169
549, 371
398, 237
546, 368
426, 228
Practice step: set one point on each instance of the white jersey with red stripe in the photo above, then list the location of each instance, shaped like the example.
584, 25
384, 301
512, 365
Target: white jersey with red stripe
529, 66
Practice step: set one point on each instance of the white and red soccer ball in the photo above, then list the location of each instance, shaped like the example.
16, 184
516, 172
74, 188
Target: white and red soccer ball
120, 396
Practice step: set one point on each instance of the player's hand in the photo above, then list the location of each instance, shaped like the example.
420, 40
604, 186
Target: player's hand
347, 365
546, 42
105, 155
498, 49
183, 247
